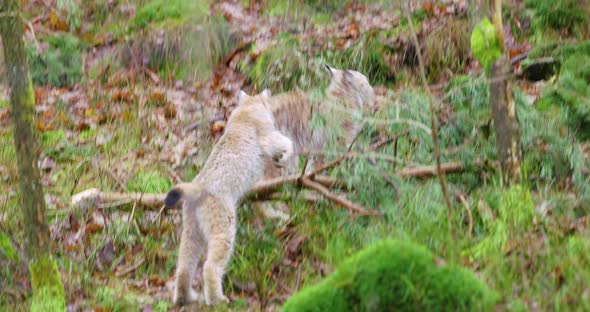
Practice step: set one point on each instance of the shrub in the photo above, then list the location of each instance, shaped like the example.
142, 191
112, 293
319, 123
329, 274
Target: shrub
395, 276
449, 54
571, 91
178, 39
60, 65
367, 55
559, 14
515, 215
284, 67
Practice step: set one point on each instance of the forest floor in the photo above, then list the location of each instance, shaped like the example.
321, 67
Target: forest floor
131, 95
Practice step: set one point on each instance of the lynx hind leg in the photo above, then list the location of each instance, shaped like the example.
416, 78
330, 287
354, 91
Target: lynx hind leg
278, 147
219, 249
189, 254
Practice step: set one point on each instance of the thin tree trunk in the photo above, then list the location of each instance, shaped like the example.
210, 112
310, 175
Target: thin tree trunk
505, 122
506, 128
503, 109
44, 274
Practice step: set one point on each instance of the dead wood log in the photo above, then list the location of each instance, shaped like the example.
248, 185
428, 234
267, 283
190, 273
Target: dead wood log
262, 190
352, 207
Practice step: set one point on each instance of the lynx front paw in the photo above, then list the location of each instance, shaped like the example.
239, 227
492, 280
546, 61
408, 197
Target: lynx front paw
279, 159
281, 156
217, 300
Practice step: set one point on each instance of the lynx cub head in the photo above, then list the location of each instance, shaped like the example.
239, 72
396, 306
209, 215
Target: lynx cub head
347, 85
256, 110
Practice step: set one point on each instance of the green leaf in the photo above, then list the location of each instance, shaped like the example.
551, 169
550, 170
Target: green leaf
484, 44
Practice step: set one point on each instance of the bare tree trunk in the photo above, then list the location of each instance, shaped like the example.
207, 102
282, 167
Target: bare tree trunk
502, 105
44, 274
503, 109
505, 122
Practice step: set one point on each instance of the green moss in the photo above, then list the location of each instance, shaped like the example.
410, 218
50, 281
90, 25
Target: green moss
6, 249
454, 288
394, 275
4, 104
116, 300
148, 182
158, 11
48, 290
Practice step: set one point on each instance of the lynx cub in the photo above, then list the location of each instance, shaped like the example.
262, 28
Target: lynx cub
209, 209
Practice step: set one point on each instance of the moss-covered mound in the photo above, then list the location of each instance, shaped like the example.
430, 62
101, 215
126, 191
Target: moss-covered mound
395, 276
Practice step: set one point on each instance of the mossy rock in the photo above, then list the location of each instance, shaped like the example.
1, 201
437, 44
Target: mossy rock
395, 276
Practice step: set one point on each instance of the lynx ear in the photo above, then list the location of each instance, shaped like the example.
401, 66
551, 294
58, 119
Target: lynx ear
241, 96
329, 69
265, 93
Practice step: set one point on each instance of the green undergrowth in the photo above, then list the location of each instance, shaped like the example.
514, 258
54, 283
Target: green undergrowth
570, 90
514, 216
178, 11
284, 67
523, 242
289, 63
148, 182
570, 16
61, 64
177, 39
48, 290
394, 275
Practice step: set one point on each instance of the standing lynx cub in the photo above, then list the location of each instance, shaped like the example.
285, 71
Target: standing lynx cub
209, 210
349, 92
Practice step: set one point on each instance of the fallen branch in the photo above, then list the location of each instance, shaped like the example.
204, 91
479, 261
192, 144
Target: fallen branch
263, 189
337, 199
467, 206
430, 171
96, 198
130, 269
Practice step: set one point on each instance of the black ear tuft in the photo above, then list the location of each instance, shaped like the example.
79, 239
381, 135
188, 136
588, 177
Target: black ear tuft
172, 198
329, 69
